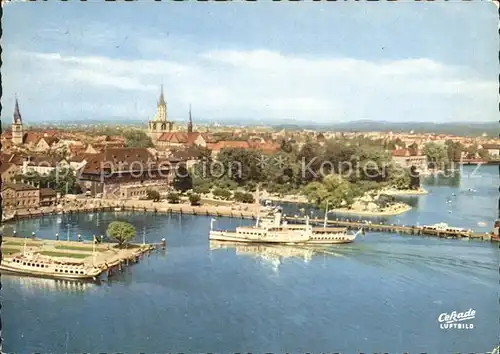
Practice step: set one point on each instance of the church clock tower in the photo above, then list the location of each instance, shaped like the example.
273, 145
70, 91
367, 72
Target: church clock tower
160, 123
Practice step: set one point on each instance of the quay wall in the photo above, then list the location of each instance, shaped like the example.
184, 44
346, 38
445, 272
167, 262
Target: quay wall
251, 213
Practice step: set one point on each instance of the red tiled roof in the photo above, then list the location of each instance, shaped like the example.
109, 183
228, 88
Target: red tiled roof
181, 137
491, 146
82, 156
400, 152
266, 147
18, 186
32, 137
47, 192
6, 165
230, 144
123, 159
405, 152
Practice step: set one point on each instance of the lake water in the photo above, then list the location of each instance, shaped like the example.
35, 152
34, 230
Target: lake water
383, 293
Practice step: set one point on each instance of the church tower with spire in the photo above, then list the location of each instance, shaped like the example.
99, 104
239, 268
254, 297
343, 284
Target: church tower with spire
160, 123
161, 109
17, 126
190, 123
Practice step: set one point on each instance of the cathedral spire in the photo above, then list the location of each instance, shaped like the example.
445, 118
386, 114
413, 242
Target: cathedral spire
161, 102
190, 123
17, 113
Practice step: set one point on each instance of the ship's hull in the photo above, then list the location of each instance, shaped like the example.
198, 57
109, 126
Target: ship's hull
235, 237
46, 274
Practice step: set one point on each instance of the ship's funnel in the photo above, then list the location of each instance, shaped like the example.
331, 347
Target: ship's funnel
277, 218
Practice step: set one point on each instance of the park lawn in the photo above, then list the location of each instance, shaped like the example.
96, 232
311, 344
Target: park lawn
64, 254
78, 248
7, 250
21, 243
213, 202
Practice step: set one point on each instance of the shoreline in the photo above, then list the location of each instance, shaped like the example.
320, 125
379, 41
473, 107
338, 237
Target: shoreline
212, 211
297, 199
403, 192
393, 212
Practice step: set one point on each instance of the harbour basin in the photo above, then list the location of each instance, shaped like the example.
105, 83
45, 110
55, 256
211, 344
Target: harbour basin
384, 292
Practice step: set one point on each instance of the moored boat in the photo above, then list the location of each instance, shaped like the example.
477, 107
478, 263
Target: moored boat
34, 264
443, 227
272, 229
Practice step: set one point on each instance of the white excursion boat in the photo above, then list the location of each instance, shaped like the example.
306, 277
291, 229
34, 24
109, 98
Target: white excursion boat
445, 227
272, 229
35, 264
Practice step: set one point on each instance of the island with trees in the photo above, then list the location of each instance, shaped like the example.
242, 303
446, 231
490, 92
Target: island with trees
350, 175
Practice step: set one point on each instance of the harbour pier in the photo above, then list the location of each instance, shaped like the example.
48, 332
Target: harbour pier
105, 256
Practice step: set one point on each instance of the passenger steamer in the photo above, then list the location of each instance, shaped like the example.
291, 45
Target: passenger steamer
35, 264
272, 229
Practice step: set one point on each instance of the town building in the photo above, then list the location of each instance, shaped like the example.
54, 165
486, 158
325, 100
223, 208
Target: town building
48, 197
40, 141
126, 173
20, 196
408, 158
9, 171
492, 149
42, 164
46, 143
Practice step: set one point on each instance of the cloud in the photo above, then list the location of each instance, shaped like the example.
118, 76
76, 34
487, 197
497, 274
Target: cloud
259, 84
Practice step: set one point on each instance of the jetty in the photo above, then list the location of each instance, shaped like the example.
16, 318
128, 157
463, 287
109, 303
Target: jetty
105, 256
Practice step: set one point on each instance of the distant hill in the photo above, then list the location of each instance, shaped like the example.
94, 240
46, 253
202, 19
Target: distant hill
461, 129
469, 129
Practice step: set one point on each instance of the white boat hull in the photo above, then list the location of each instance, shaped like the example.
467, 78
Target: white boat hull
235, 237
37, 273
272, 230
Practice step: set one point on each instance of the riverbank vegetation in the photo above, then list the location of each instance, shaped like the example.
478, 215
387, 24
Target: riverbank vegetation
339, 171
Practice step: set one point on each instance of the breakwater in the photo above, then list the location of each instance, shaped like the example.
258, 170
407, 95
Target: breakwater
215, 211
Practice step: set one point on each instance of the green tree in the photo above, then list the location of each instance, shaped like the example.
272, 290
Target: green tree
121, 231
401, 179
137, 139
242, 197
334, 190
454, 150
173, 198
62, 180
201, 189
286, 146
194, 199
437, 156
241, 165
309, 158
153, 195
182, 180
222, 193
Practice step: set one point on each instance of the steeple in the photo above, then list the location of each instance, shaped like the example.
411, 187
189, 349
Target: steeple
190, 123
17, 114
161, 102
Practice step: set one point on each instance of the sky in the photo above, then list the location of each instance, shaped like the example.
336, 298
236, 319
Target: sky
252, 62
